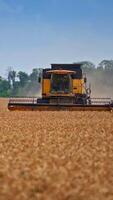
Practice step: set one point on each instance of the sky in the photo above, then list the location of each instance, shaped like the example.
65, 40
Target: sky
36, 33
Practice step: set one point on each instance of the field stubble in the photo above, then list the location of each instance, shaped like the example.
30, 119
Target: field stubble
56, 155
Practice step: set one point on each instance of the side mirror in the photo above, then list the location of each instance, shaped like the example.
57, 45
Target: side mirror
39, 79
85, 80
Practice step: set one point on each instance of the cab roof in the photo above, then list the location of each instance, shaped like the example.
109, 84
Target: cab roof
72, 66
60, 71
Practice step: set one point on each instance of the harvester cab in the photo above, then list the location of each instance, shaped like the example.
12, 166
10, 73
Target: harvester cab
64, 83
64, 87
61, 81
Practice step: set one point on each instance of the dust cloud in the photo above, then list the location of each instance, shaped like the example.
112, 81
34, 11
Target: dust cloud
101, 86
32, 90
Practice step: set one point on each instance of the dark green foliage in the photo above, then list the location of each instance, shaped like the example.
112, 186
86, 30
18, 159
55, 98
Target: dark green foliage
4, 88
23, 78
35, 75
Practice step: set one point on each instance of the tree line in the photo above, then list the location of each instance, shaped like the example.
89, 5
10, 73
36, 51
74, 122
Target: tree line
24, 84
20, 83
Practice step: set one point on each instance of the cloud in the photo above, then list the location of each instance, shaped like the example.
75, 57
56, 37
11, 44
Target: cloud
7, 7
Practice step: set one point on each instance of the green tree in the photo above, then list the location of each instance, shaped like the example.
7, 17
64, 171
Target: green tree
23, 78
12, 77
106, 65
36, 74
4, 88
88, 66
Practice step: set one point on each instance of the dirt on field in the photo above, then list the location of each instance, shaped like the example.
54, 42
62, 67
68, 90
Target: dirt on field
56, 155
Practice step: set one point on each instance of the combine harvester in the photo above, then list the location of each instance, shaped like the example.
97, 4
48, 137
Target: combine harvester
64, 87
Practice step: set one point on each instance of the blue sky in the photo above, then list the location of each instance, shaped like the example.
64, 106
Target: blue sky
35, 33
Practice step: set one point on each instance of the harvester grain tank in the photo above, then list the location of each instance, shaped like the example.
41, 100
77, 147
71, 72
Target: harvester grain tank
64, 87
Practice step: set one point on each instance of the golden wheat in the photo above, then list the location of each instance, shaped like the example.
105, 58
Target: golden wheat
56, 155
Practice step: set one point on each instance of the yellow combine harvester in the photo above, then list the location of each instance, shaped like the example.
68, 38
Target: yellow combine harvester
64, 87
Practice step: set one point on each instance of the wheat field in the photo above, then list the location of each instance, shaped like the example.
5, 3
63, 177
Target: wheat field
55, 155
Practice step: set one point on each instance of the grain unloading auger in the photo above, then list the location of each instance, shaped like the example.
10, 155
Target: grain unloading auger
64, 87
